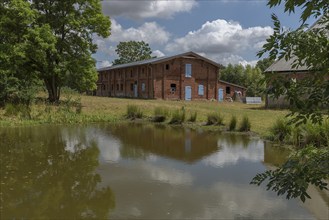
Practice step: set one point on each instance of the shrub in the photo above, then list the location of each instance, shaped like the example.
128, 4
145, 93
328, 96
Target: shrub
160, 114
245, 124
24, 111
215, 118
280, 130
133, 112
178, 117
232, 124
193, 116
315, 134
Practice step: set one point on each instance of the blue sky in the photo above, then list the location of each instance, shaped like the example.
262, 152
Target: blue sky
226, 31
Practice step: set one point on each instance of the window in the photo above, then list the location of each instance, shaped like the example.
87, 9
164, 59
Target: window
132, 86
188, 70
112, 87
121, 87
131, 73
173, 87
117, 86
200, 90
143, 87
228, 90
167, 66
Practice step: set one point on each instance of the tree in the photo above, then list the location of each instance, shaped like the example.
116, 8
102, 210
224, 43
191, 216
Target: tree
308, 97
264, 64
132, 51
55, 41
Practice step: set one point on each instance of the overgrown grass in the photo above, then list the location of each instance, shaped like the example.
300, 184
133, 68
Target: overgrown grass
104, 109
160, 114
178, 116
232, 124
302, 135
245, 125
280, 131
215, 118
133, 112
193, 116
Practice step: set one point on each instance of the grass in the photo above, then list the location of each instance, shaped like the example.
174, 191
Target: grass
104, 109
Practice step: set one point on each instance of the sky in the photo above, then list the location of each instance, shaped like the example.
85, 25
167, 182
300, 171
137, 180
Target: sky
225, 31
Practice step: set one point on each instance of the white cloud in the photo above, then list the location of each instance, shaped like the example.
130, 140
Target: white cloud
137, 9
158, 53
224, 41
145, 32
104, 63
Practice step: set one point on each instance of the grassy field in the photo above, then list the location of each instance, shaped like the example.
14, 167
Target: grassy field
104, 109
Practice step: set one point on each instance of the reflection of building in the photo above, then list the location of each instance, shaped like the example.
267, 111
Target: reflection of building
274, 156
165, 141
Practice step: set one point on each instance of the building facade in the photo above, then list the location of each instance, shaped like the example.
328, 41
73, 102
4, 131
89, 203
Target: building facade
186, 76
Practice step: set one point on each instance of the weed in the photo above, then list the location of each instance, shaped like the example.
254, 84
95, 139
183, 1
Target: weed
178, 116
193, 116
134, 112
245, 124
215, 118
280, 130
232, 124
160, 114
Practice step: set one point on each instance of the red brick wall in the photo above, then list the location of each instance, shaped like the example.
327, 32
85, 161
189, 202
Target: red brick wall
161, 76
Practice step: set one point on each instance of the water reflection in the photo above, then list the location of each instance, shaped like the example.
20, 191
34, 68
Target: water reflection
49, 173
139, 141
155, 172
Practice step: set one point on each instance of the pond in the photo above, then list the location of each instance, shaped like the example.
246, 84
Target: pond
140, 171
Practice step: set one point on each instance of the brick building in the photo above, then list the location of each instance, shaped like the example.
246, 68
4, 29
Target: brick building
186, 76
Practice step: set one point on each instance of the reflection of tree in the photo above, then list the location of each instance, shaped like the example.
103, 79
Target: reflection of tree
40, 179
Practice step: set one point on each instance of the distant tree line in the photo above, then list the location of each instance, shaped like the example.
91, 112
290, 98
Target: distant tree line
250, 77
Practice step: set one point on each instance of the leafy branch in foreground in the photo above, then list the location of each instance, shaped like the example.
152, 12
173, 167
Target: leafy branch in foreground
309, 165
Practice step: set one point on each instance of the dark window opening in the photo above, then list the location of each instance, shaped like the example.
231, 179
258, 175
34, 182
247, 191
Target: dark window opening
173, 87
117, 86
167, 66
112, 87
132, 86
121, 87
228, 90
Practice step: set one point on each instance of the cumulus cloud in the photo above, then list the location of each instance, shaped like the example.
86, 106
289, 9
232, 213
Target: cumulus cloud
149, 32
157, 53
224, 40
147, 9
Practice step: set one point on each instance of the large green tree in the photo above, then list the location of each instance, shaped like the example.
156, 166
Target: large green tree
132, 51
53, 41
308, 97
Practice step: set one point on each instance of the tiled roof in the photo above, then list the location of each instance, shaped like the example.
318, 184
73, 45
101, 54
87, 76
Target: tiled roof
157, 60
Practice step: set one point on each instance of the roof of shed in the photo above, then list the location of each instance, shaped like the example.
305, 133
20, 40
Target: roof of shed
283, 65
159, 60
232, 84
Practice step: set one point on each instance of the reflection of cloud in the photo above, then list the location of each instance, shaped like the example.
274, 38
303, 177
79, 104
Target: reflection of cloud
109, 148
229, 155
168, 175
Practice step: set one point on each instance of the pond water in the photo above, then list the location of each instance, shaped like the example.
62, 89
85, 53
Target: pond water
140, 171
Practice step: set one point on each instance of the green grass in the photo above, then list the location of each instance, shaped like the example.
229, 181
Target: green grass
104, 109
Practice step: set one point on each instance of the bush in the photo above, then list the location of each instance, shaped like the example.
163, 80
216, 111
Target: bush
160, 114
178, 117
24, 111
133, 112
193, 116
280, 130
245, 124
215, 119
315, 134
232, 124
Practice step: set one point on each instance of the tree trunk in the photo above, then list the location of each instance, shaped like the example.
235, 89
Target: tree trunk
53, 90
